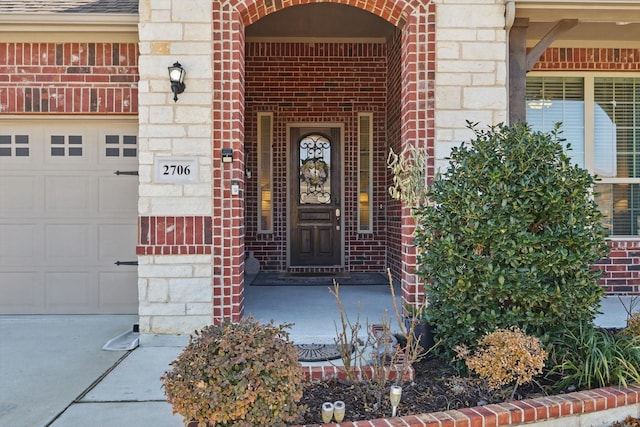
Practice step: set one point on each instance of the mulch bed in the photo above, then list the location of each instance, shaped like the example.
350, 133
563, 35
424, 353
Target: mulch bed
436, 387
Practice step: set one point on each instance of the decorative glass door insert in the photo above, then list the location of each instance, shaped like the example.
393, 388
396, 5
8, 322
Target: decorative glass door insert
315, 170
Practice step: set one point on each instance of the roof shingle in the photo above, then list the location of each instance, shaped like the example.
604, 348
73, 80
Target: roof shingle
69, 6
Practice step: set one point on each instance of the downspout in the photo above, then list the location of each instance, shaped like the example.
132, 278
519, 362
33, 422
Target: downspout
509, 15
509, 19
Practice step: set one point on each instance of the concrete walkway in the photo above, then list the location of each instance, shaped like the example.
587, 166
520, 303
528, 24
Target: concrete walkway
54, 372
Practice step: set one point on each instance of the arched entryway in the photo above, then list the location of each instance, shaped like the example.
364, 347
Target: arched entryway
322, 86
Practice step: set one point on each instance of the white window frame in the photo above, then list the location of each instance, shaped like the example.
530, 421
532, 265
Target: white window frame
369, 116
589, 78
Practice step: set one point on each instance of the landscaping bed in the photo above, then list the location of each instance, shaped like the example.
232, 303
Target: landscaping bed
435, 387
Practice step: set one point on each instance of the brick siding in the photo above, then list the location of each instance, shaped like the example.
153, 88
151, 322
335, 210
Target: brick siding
174, 235
69, 78
596, 59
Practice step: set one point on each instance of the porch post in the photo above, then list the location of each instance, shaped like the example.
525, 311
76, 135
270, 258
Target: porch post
518, 71
228, 173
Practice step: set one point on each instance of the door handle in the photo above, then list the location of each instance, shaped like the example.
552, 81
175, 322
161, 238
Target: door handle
338, 219
338, 213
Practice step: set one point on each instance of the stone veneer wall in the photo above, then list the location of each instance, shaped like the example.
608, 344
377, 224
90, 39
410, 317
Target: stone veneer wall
176, 267
471, 70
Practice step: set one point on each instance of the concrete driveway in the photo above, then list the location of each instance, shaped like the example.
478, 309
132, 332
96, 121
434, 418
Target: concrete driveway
47, 362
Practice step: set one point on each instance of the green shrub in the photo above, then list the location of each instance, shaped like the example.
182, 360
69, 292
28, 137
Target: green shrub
237, 374
590, 357
509, 239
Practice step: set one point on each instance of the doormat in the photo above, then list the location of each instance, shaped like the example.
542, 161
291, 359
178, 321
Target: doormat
317, 352
275, 278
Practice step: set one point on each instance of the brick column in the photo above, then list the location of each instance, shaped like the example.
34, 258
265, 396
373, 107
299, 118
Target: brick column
228, 133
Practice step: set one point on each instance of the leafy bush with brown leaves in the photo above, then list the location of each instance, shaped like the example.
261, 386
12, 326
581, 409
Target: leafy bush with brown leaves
505, 356
633, 325
237, 374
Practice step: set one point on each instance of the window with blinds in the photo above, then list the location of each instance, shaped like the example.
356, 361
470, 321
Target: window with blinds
265, 173
617, 142
600, 118
365, 172
558, 99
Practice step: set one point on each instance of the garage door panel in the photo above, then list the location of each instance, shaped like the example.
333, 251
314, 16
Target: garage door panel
21, 291
69, 194
117, 242
20, 195
118, 194
67, 243
68, 291
118, 291
20, 244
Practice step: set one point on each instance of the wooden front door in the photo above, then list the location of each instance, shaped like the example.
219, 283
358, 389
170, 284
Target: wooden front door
315, 196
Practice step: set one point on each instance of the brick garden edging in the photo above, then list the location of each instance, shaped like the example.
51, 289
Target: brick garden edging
514, 413
328, 372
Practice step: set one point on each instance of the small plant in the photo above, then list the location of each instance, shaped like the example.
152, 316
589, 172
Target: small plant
633, 325
505, 356
384, 352
408, 175
592, 357
237, 374
633, 317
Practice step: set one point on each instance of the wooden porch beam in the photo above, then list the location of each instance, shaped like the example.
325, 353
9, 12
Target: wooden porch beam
536, 52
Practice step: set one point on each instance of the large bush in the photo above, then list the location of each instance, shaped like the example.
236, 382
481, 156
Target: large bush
509, 238
237, 374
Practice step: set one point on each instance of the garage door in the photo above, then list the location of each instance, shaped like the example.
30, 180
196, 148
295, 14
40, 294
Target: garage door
68, 217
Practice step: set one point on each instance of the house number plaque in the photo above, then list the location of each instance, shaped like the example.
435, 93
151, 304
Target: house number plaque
173, 170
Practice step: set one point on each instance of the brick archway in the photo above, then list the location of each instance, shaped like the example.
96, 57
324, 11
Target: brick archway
415, 118
396, 12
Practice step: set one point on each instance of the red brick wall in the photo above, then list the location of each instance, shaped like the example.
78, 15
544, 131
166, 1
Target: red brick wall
394, 112
317, 82
174, 235
68, 78
621, 269
600, 59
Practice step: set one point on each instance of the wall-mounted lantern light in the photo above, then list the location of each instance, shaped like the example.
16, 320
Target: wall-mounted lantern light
176, 77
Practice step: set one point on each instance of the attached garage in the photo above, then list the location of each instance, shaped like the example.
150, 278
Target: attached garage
68, 216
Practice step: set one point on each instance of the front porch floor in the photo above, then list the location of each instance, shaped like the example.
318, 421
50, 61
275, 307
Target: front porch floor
314, 312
